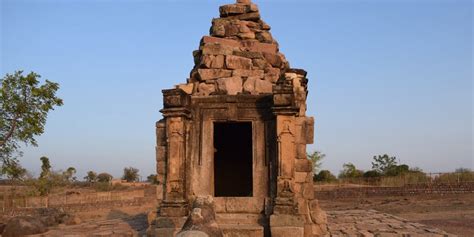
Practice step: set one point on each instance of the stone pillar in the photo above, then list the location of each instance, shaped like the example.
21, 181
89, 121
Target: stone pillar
173, 209
285, 220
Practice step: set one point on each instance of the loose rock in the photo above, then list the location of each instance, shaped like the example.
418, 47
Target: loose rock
24, 225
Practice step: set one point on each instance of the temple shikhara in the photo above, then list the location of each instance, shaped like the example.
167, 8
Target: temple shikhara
231, 148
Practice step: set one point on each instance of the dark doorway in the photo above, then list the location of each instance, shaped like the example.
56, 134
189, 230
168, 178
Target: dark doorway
233, 159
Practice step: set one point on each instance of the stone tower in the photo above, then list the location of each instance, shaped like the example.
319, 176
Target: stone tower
236, 133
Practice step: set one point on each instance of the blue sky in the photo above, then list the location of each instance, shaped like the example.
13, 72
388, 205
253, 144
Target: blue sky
388, 76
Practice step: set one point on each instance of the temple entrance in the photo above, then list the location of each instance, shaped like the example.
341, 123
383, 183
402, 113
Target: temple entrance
233, 159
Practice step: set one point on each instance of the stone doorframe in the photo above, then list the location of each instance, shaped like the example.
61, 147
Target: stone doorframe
241, 108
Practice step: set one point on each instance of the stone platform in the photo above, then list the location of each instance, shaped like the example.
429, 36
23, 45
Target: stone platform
341, 223
374, 223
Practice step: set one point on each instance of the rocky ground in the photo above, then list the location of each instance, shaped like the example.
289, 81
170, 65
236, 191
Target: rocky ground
125, 227
341, 223
373, 223
393, 216
451, 213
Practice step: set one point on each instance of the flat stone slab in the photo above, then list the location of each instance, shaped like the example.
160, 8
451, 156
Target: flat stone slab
374, 223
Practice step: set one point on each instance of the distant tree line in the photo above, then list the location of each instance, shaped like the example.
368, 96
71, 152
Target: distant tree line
383, 167
50, 179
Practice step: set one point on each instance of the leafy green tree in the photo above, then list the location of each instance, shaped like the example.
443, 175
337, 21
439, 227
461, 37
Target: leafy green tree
104, 178
316, 157
383, 163
130, 174
45, 167
91, 177
24, 108
13, 170
350, 171
324, 176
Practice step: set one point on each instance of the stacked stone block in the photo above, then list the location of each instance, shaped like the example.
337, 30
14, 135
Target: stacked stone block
239, 56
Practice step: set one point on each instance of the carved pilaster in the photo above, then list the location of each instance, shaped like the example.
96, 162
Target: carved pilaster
285, 111
284, 201
285, 218
176, 120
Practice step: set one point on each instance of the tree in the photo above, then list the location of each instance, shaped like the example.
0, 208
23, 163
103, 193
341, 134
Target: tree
69, 174
24, 108
91, 177
130, 174
324, 176
104, 178
152, 179
350, 171
13, 170
52, 180
45, 167
384, 163
316, 157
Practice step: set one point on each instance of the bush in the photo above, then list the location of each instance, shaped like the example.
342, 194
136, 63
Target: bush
350, 171
45, 185
104, 178
152, 178
324, 176
397, 170
371, 174
91, 177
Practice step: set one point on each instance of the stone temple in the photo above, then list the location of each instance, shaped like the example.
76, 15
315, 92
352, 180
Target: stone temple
231, 149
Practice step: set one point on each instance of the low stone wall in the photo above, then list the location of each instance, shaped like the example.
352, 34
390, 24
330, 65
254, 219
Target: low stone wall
72, 208
413, 189
78, 202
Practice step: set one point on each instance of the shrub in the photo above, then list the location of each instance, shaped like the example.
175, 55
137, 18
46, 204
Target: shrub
91, 177
371, 174
104, 178
350, 171
152, 178
324, 176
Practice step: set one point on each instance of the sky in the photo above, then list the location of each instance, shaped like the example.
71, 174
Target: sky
385, 76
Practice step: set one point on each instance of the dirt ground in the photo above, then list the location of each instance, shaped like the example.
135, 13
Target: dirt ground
452, 213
